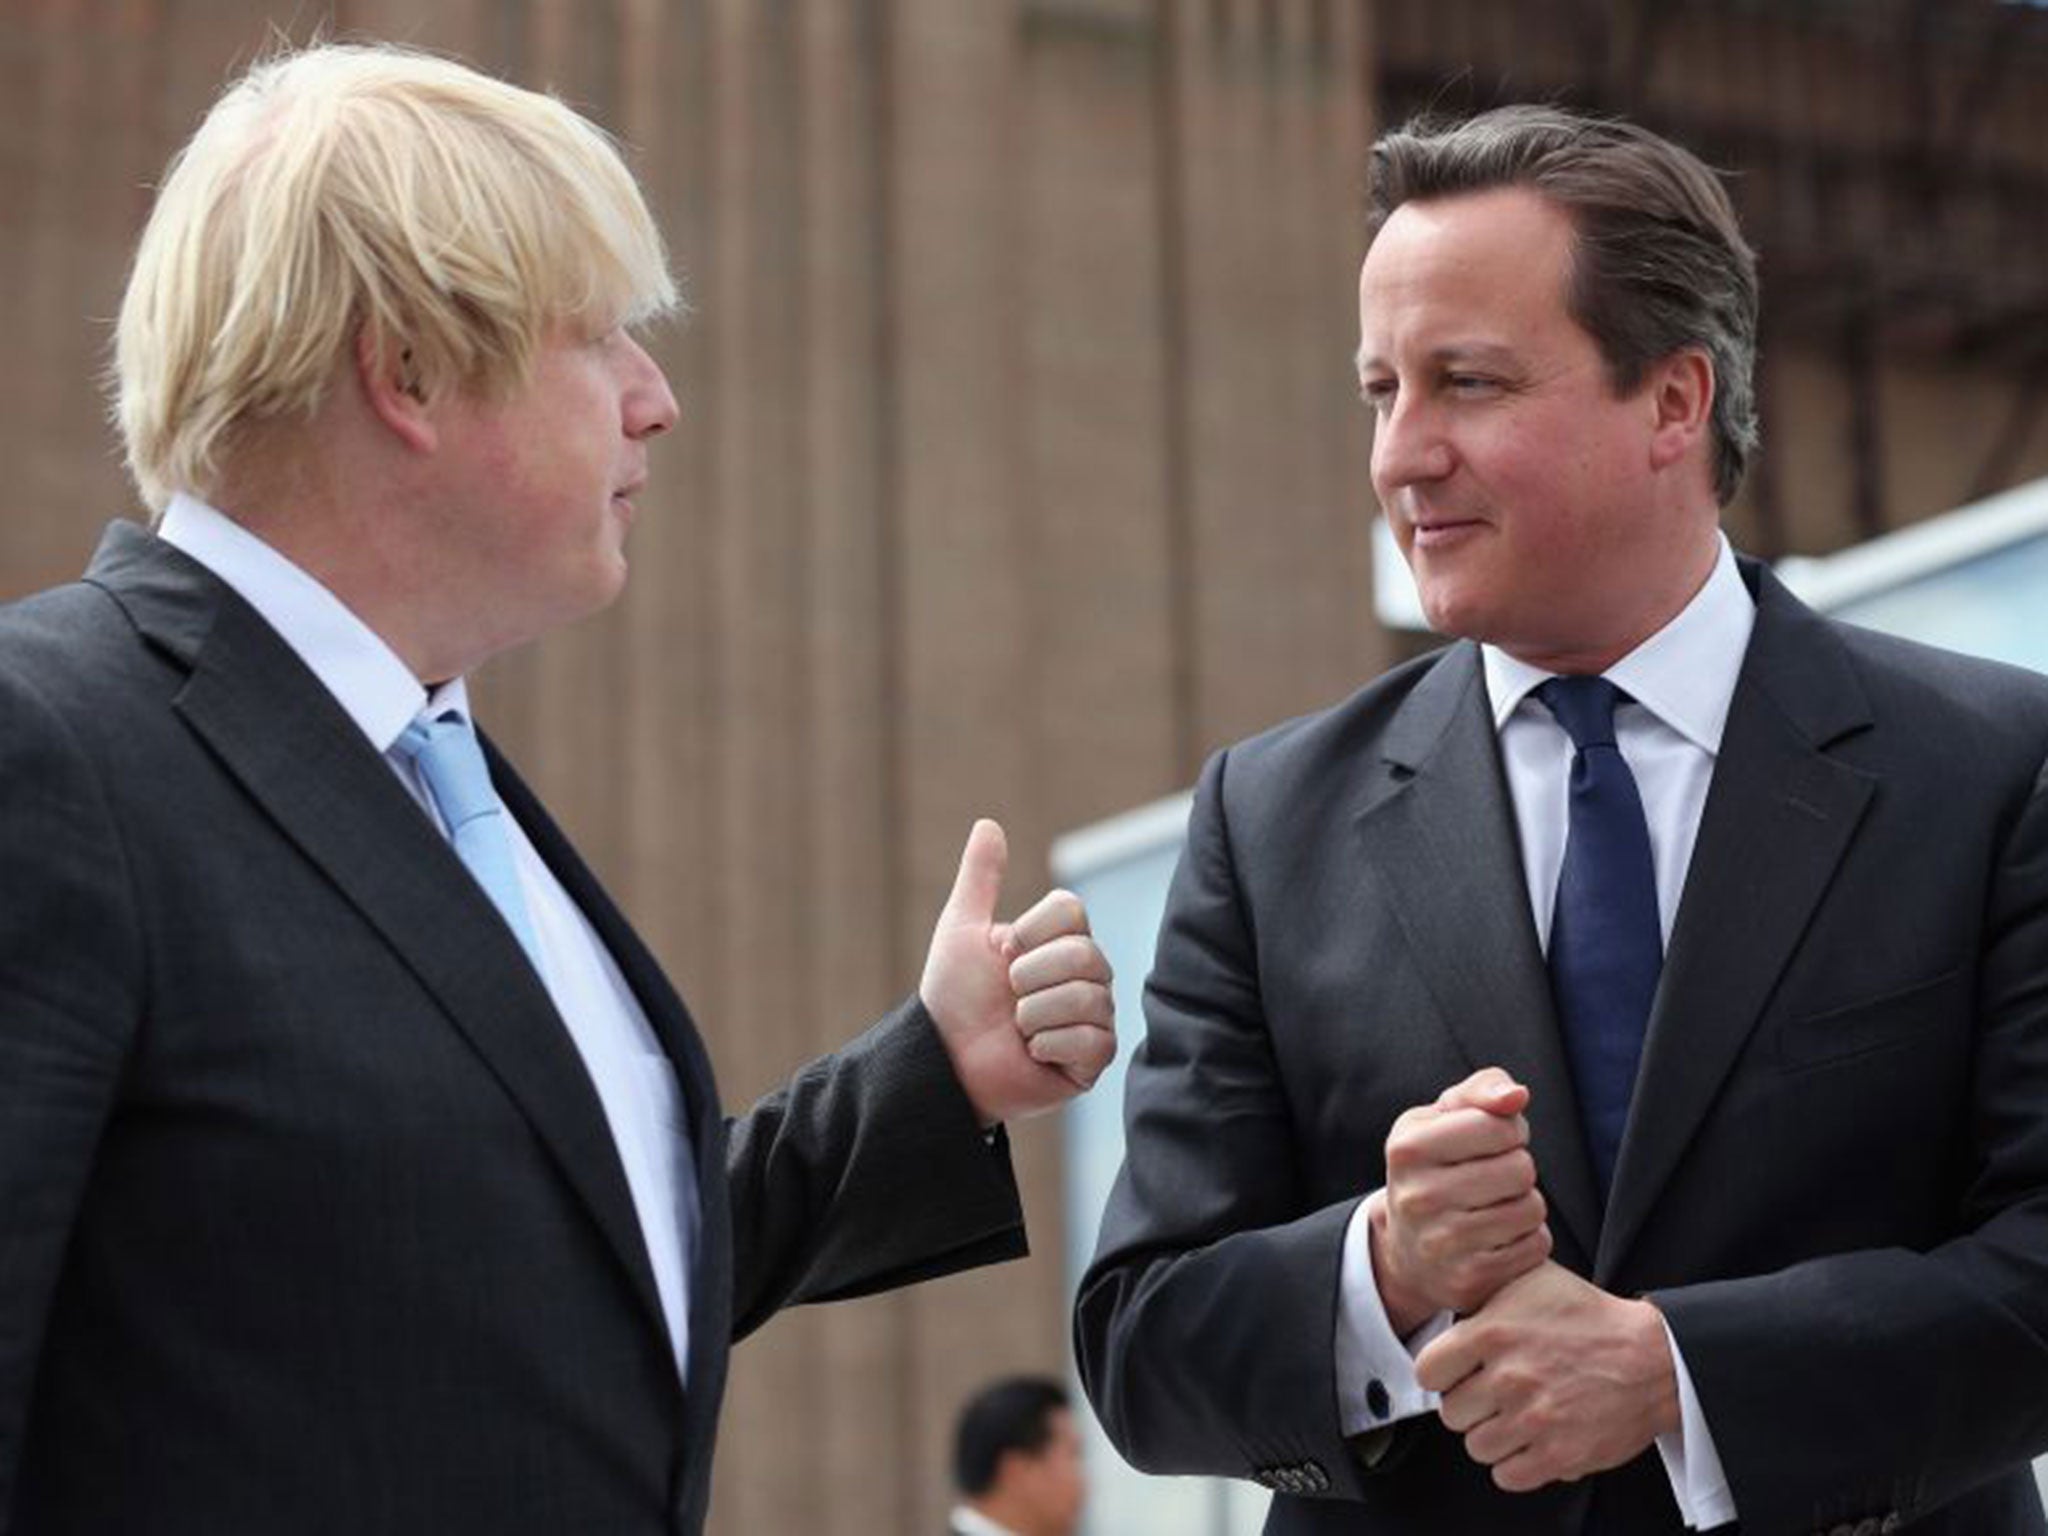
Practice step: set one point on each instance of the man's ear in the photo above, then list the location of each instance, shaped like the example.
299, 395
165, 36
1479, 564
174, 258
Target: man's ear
1681, 393
391, 389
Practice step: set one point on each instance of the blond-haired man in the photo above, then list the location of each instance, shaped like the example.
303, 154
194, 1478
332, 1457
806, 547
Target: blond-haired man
362, 1172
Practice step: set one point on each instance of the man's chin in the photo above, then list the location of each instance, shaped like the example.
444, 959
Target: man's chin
1449, 612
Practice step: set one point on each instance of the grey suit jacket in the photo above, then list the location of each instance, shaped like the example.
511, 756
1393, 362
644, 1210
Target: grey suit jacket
1835, 1173
312, 1220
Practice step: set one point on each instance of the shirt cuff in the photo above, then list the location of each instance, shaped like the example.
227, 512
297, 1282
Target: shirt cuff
1376, 1383
1691, 1461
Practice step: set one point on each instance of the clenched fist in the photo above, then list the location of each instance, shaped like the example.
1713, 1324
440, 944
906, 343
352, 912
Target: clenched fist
1460, 1215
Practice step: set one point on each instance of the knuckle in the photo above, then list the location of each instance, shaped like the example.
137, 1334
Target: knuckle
1514, 1381
1485, 1339
1407, 1128
1412, 1204
1073, 955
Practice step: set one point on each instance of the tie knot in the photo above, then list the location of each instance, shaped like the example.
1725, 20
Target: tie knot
445, 752
1584, 706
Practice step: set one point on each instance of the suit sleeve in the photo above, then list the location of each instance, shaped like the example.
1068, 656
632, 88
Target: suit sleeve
70, 989
1205, 1327
866, 1172
1895, 1379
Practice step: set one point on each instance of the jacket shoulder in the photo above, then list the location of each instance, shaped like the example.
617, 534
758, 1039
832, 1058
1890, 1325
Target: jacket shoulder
1986, 708
1323, 752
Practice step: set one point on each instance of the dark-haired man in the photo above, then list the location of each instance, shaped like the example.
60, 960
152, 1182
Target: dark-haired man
1017, 1461
1597, 1076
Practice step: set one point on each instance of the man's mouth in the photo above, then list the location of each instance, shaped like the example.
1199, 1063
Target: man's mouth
1436, 532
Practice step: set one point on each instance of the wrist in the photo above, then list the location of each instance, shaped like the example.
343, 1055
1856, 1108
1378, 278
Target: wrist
1666, 1418
1406, 1308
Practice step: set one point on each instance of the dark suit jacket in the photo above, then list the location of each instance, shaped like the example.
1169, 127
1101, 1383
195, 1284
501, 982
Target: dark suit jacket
1835, 1173
310, 1220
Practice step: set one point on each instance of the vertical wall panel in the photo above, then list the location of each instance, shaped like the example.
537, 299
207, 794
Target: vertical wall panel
1277, 475
861, 1440
1095, 474
964, 725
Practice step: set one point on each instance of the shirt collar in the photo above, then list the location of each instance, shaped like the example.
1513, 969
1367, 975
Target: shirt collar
972, 1522
1684, 674
369, 682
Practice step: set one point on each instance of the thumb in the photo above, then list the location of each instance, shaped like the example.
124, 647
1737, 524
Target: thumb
979, 885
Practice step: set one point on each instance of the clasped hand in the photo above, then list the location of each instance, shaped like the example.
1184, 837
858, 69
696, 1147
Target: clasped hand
1547, 1377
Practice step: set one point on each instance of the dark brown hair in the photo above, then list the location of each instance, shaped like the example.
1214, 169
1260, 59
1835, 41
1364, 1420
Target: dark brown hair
1014, 1414
1658, 262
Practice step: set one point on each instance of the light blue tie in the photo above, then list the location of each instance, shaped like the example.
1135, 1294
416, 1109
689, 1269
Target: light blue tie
451, 762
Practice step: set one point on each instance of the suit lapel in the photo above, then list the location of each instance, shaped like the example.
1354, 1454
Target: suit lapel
711, 1276
1778, 818
1439, 831
300, 758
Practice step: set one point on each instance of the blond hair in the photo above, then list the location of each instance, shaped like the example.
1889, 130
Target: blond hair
366, 189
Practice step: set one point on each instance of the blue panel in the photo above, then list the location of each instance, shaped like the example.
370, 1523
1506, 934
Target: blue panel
1995, 605
1126, 899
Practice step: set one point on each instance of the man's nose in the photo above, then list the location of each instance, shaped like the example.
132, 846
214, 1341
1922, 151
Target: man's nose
1409, 446
650, 405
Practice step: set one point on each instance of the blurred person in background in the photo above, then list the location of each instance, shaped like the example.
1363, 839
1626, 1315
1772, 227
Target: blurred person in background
361, 1172
1017, 1461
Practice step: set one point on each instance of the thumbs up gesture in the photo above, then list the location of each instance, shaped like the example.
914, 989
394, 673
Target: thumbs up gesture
1023, 1007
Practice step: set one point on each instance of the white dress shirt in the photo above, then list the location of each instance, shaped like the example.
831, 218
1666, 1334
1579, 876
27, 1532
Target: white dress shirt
635, 1082
968, 1521
1680, 681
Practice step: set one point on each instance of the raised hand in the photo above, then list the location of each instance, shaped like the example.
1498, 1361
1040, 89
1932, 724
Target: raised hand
1460, 1215
1024, 1007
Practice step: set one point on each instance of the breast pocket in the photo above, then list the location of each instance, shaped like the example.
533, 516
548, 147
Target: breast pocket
1874, 1024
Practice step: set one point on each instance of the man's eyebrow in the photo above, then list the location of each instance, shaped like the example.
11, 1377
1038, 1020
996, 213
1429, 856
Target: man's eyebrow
1449, 355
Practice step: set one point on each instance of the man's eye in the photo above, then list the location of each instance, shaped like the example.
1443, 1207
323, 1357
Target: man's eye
1377, 393
1470, 383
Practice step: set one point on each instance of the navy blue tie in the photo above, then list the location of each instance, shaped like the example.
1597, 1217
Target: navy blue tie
1606, 948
